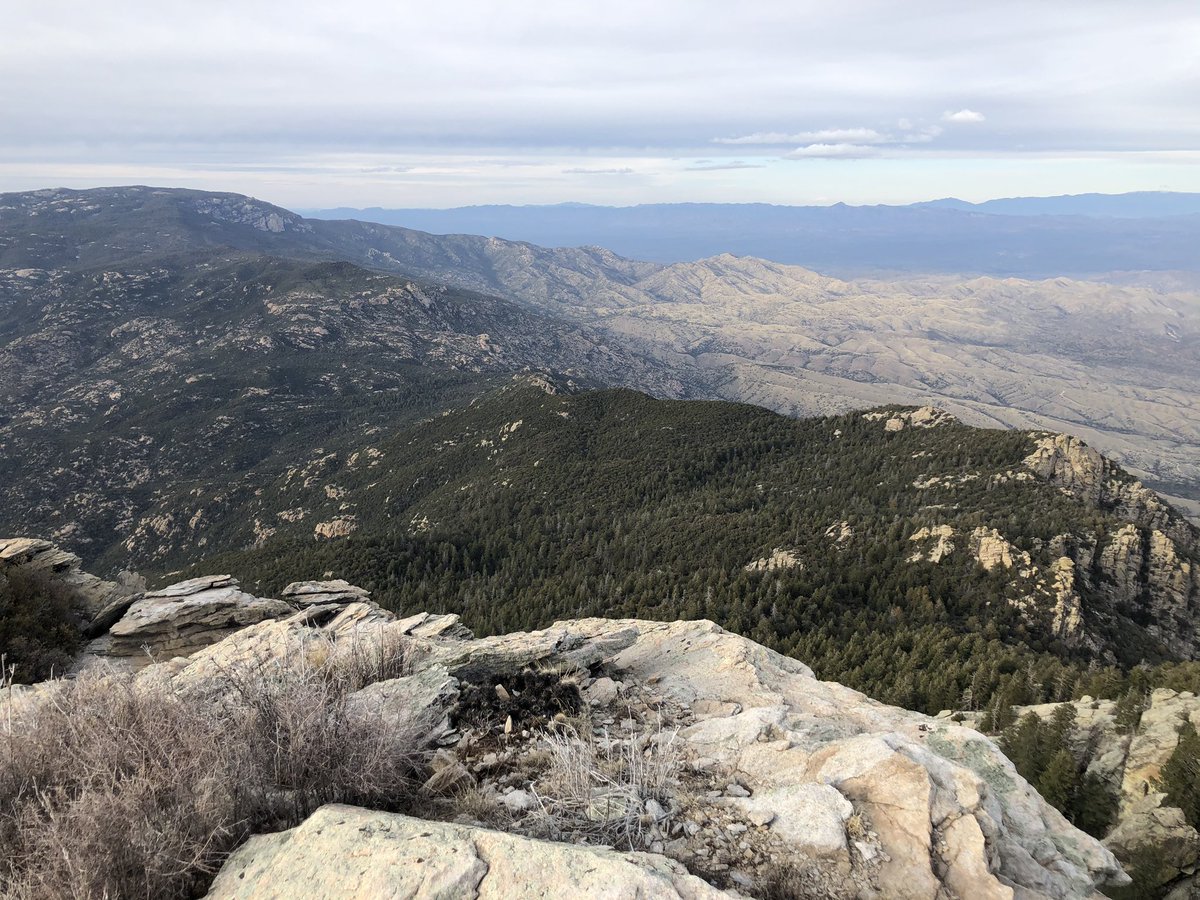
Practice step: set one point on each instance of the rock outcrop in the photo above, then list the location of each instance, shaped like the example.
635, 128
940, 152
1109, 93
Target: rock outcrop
1079, 469
775, 765
780, 558
93, 594
179, 620
1149, 565
941, 546
766, 773
344, 852
1129, 765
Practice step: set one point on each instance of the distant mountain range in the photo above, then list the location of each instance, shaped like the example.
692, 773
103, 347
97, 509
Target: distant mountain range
1023, 237
130, 291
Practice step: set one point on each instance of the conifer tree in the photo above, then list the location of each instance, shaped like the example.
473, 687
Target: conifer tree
1180, 778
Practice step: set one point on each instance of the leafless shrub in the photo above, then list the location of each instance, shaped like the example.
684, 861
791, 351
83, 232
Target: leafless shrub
367, 656
111, 790
596, 787
114, 793
308, 749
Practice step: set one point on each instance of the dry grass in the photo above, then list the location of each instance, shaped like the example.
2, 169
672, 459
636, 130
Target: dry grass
596, 787
114, 791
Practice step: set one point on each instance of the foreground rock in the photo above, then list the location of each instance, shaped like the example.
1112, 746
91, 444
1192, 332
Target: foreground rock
756, 775
344, 852
775, 767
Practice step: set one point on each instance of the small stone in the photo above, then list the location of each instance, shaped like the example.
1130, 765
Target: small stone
691, 828
502, 693
760, 817
519, 801
733, 789
655, 810
736, 828
603, 691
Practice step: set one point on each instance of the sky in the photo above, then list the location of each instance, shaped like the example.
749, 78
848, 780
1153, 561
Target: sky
406, 104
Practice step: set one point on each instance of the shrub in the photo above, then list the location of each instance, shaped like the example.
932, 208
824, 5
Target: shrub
1180, 777
115, 790
39, 625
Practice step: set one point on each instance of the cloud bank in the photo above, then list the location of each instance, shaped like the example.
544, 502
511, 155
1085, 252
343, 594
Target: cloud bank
478, 101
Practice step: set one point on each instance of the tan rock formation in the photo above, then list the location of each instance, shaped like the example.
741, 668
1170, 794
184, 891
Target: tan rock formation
179, 620
942, 545
779, 559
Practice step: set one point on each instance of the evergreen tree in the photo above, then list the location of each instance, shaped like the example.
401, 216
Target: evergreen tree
1180, 777
1058, 780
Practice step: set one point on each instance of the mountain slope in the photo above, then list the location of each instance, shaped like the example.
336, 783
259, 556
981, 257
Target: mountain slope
899, 551
126, 383
1112, 364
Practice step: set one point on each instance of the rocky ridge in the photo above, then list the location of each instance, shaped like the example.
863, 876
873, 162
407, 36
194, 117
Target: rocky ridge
767, 768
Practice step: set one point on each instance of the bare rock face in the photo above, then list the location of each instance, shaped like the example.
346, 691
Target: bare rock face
344, 852
923, 417
1148, 564
868, 794
1068, 462
948, 809
871, 797
780, 558
938, 538
1129, 765
992, 550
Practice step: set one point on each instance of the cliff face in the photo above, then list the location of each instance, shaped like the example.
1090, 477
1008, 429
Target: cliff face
1129, 764
1145, 569
740, 767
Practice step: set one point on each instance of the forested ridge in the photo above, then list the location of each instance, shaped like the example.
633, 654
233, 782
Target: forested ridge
526, 507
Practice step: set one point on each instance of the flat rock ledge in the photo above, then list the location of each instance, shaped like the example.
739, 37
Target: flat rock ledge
183, 618
345, 852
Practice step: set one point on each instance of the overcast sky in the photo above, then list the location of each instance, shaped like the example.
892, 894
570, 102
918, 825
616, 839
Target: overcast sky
402, 103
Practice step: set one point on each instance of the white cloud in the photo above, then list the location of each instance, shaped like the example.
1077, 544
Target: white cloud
708, 165
963, 116
924, 136
624, 170
833, 151
825, 135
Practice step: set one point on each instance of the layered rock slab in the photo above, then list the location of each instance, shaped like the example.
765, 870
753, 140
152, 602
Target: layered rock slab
179, 620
